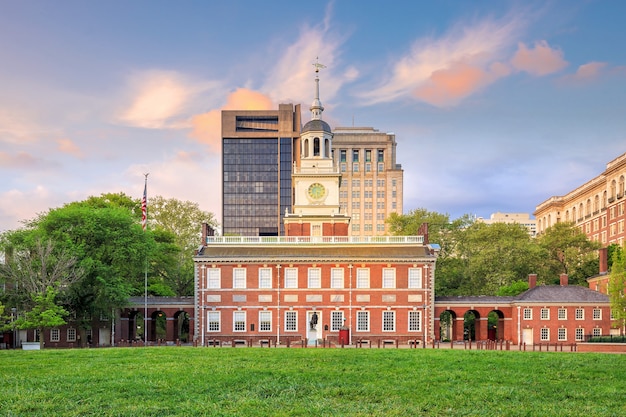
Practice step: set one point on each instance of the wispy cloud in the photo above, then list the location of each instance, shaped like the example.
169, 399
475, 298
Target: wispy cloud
22, 160
17, 206
67, 146
587, 73
442, 71
292, 77
159, 99
540, 60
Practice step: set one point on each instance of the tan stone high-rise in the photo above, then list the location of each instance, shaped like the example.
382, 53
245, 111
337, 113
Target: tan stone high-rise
372, 181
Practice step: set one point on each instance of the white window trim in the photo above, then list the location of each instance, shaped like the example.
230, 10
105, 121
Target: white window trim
564, 317
71, 334
314, 274
393, 314
55, 335
336, 325
367, 314
545, 316
582, 314
213, 278
235, 321
287, 272
419, 321
337, 279
530, 314
362, 278
562, 331
263, 271
599, 311
389, 278
208, 321
546, 331
295, 314
415, 278
268, 315
236, 284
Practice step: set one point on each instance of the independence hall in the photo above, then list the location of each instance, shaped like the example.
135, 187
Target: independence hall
316, 283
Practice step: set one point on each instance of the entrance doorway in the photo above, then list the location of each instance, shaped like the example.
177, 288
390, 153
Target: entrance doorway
314, 326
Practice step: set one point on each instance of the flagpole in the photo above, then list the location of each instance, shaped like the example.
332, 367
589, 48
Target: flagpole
144, 223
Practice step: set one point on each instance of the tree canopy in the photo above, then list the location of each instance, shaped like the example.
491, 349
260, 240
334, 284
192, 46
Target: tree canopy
484, 259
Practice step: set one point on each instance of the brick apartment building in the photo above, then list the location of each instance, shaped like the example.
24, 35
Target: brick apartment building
597, 207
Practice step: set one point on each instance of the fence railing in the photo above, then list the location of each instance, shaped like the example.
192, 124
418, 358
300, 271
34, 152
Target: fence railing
605, 339
285, 240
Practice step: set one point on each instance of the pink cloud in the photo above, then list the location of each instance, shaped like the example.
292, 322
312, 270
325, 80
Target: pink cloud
21, 160
69, 147
207, 126
587, 72
449, 86
542, 60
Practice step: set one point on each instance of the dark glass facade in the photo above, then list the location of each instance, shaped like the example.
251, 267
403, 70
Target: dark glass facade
257, 185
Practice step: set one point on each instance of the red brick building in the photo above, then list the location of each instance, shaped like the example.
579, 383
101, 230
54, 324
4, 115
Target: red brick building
543, 314
315, 284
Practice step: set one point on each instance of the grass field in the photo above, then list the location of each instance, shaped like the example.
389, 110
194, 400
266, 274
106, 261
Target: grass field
185, 381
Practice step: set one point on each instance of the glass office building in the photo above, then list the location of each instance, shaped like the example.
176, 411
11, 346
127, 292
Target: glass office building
257, 160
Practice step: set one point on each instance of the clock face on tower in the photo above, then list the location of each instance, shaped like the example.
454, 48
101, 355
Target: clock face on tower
317, 191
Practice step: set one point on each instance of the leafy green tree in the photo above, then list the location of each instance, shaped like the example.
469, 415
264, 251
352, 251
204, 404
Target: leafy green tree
183, 220
44, 314
617, 287
569, 251
111, 248
495, 255
515, 288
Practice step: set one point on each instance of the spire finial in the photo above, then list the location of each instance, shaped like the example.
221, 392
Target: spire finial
316, 107
317, 65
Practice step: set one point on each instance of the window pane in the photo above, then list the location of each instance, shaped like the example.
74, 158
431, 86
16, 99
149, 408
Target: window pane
362, 321
214, 278
265, 277
415, 277
336, 278
265, 321
336, 320
315, 278
362, 278
291, 321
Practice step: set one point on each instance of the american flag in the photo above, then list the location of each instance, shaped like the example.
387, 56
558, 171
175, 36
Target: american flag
144, 206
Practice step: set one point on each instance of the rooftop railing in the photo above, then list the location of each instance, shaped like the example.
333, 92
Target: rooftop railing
286, 240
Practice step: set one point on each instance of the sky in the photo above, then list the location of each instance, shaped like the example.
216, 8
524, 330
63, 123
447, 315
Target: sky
496, 105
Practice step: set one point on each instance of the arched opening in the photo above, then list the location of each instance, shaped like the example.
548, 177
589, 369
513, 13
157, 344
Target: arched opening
159, 323
326, 148
135, 326
470, 325
305, 148
447, 319
495, 325
182, 326
316, 147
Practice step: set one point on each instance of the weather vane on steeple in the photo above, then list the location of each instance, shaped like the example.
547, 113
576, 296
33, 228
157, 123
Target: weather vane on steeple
317, 65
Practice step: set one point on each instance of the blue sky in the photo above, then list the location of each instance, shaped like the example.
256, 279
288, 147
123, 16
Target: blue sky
496, 105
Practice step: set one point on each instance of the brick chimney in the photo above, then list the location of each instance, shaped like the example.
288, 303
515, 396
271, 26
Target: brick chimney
206, 231
532, 281
563, 279
604, 261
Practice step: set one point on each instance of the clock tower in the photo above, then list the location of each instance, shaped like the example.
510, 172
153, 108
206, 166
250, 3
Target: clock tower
316, 209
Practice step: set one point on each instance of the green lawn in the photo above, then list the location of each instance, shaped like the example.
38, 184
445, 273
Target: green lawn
185, 381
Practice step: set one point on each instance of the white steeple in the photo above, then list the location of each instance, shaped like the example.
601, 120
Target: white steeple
316, 107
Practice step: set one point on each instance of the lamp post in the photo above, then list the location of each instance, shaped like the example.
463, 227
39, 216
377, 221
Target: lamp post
13, 318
